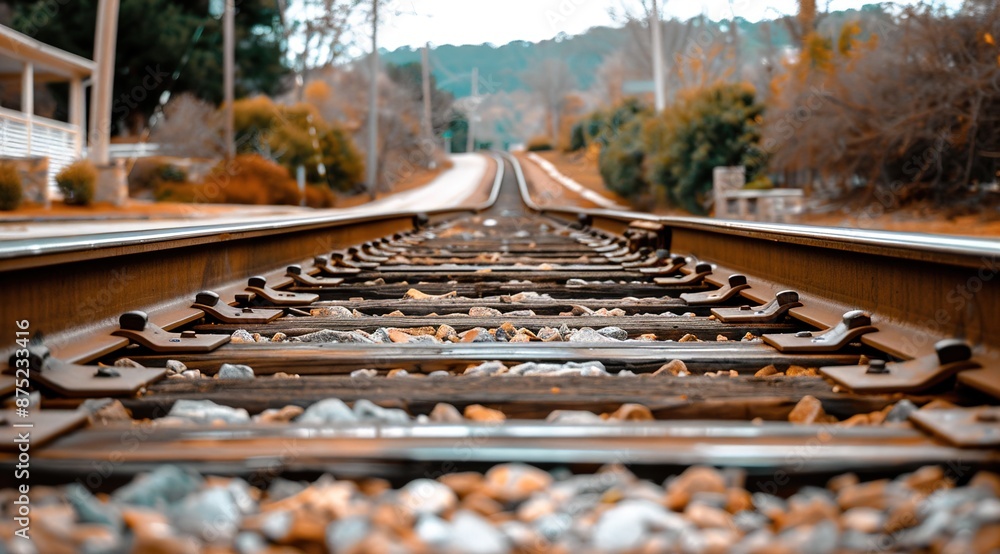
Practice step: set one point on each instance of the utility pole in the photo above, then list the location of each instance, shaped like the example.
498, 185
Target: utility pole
426, 76
105, 38
228, 69
470, 141
372, 163
658, 84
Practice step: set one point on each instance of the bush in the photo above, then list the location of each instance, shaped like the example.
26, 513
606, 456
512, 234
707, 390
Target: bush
249, 179
319, 196
343, 164
539, 144
142, 176
615, 137
620, 162
170, 191
160, 177
910, 114
283, 132
577, 138
761, 182
601, 128
10, 187
171, 173
77, 182
706, 128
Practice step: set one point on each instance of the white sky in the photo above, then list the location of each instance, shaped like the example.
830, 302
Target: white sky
501, 21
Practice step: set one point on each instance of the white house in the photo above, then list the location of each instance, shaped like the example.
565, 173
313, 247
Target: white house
26, 62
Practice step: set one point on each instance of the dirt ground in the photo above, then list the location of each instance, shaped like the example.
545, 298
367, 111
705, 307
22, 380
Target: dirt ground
135, 209
576, 166
545, 191
584, 171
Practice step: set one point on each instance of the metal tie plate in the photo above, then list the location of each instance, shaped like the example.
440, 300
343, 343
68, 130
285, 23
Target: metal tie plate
919, 374
323, 264
136, 327
304, 279
361, 255
81, 381
736, 283
765, 313
210, 303
673, 266
962, 427
854, 324
340, 260
653, 258
46, 425
694, 278
258, 286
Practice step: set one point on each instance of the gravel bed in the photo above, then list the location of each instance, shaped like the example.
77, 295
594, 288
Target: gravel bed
514, 508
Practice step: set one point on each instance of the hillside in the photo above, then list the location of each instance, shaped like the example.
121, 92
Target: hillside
501, 67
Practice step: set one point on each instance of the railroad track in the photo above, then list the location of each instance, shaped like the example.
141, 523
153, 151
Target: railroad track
424, 359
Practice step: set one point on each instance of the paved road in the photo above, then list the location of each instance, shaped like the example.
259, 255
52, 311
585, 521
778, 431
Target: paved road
451, 187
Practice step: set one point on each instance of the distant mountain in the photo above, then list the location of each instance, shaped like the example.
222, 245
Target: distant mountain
501, 67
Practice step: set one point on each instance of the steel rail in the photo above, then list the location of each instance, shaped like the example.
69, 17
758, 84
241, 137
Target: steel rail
754, 447
946, 249
15, 254
74, 288
969, 251
921, 288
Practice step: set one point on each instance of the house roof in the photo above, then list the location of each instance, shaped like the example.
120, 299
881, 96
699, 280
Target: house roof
17, 48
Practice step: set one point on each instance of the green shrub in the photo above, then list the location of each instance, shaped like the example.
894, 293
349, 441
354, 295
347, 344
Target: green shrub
539, 144
620, 161
760, 182
706, 128
10, 187
343, 164
171, 173
602, 128
77, 182
577, 138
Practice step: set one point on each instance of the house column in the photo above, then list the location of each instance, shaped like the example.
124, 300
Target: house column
76, 102
28, 97
111, 184
105, 39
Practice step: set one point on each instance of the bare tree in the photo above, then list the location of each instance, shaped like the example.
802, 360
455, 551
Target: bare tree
551, 80
912, 114
696, 52
402, 148
324, 30
190, 127
610, 79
